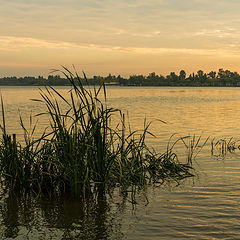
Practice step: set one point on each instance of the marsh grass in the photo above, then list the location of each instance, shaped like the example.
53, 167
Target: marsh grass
81, 153
220, 148
193, 144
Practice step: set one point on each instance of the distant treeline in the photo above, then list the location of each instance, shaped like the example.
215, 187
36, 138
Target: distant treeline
220, 78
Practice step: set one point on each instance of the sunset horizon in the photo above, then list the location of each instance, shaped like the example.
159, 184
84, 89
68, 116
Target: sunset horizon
121, 38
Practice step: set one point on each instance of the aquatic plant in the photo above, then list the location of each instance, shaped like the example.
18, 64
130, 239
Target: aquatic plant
221, 147
82, 153
193, 146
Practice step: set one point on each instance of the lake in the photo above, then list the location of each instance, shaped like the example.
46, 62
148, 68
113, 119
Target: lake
204, 207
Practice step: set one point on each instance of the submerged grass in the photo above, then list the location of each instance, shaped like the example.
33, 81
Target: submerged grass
81, 153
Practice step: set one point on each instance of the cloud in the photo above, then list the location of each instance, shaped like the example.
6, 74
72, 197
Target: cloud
220, 33
145, 34
10, 43
127, 23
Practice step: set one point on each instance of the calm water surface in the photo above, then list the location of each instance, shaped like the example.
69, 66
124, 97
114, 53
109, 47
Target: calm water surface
204, 207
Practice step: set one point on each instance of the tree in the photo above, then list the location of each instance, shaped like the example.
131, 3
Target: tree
151, 75
136, 80
200, 74
182, 75
121, 80
220, 73
109, 78
173, 76
212, 74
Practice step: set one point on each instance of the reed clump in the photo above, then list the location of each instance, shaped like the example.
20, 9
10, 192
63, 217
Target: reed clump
81, 153
221, 147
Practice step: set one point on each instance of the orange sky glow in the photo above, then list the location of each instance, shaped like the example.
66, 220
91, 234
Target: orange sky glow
118, 37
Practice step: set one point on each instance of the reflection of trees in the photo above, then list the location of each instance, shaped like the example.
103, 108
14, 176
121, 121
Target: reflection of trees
92, 219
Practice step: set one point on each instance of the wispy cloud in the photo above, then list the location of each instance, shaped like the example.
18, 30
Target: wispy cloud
145, 34
219, 33
125, 23
10, 43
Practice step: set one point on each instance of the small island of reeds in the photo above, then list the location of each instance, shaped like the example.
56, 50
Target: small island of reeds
82, 152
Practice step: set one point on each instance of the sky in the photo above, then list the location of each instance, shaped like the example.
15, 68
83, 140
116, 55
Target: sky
119, 37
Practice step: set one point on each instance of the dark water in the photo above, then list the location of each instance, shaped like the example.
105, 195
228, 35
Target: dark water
204, 207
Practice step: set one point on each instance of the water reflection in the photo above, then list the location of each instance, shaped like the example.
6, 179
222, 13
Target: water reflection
31, 218
208, 210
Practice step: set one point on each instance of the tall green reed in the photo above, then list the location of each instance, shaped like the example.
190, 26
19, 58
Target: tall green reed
81, 153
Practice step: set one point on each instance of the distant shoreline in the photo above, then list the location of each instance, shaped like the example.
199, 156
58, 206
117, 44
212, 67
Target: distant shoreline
222, 78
